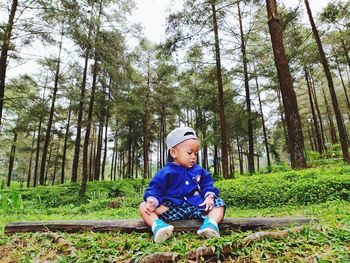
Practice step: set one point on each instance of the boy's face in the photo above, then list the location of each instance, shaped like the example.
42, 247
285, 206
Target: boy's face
186, 153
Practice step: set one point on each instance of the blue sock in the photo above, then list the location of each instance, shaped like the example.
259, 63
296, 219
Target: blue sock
155, 223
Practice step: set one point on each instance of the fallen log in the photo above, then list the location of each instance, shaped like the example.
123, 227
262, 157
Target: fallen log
137, 225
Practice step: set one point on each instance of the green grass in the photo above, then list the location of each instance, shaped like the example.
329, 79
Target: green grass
325, 241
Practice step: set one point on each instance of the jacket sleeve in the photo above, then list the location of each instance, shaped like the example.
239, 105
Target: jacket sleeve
157, 187
207, 185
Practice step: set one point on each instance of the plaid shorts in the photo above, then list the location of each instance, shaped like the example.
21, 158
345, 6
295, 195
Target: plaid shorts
187, 211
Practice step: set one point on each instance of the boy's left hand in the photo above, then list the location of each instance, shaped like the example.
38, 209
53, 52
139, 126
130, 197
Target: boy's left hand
208, 202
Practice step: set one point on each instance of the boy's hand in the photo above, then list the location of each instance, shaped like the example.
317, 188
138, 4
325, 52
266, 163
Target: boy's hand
150, 206
208, 202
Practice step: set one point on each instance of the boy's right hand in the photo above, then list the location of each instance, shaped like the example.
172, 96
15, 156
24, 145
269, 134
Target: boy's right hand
150, 206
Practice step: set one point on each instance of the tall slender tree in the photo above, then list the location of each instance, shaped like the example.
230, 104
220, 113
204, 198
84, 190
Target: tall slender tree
52, 111
324, 62
222, 117
295, 133
12, 158
4, 53
74, 176
250, 155
315, 121
90, 109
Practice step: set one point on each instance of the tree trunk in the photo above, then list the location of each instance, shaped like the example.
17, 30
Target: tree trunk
240, 156
310, 138
63, 165
283, 119
346, 53
330, 119
251, 167
52, 111
314, 95
12, 158
92, 155
128, 171
116, 158
221, 95
4, 52
263, 125
106, 132
112, 162
31, 161
295, 133
205, 150
344, 87
317, 130
37, 154
146, 135
339, 119
56, 161
97, 162
215, 159
48, 164
88, 130
75, 164
312, 125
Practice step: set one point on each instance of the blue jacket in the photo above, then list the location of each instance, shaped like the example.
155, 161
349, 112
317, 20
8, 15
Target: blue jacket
177, 184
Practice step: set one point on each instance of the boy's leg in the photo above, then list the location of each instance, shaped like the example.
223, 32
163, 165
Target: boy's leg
217, 214
161, 230
150, 218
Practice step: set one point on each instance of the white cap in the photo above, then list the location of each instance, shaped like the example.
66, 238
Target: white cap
179, 135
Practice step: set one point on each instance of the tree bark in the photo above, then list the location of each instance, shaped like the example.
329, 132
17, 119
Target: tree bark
112, 163
324, 62
116, 158
310, 138
283, 119
4, 53
31, 161
330, 119
263, 125
295, 133
48, 163
251, 167
129, 144
12, 159
52, 111
92, 154
240, 156
63, 165
146, 124
317, 130
56, 162
106, 132
37, 154
314, 95
221, 95
344, 87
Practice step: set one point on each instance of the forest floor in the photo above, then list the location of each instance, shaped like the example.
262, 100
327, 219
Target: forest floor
325, 241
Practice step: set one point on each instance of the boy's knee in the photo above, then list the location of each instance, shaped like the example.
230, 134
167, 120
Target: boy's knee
142, 207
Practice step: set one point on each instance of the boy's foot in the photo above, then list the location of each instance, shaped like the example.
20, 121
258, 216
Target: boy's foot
161, 231
209, 229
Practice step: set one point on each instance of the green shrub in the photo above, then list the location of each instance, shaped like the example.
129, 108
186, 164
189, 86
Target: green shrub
290, 188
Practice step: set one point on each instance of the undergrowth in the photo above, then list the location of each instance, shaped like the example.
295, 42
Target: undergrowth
262, 195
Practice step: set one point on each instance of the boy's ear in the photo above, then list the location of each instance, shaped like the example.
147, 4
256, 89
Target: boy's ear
173, 153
